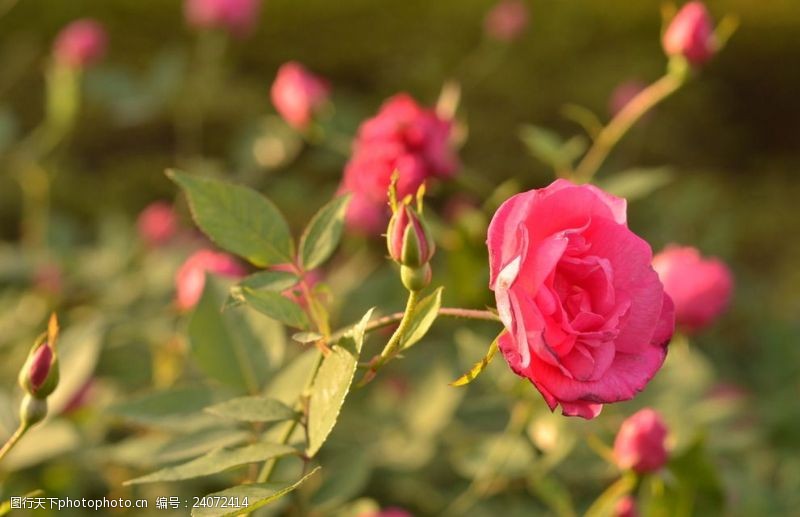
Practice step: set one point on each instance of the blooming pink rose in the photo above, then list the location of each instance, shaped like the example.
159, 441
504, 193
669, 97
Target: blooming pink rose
191, 277
587, 320
403, 136
81, 43
701, 288
626, 507
640, 442
297, 94
238, 17
506, 20
691, 34
157, 223
623, 94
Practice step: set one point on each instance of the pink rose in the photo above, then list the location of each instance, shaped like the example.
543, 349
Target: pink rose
507, 20
403, 136
392, 511
157, 223
691, 34
238, 17
623, 94
640, 442
298, 94
191, 277
701, 288
587, 319
626, 507
80, 44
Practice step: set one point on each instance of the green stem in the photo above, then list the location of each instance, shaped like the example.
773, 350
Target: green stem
12, 441
624, 120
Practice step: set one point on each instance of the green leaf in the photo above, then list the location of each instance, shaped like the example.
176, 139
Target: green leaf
478, 367
270, 280
179, 408
554, 494
238, 219
274, 305
223, 344
422, 318
306, 337
322, 234
604, 505
550, 148
253, 409
257, 495
216, 461
637, 183
332, 384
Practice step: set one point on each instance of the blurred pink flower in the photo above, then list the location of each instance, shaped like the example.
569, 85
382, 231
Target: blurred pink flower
623, 94
691, 34
403, 136
626, 507
587, 320
81, 43
49, 278
701, 288
238, 17
298, 94
191, 277
640, 442
157, 223
507, 20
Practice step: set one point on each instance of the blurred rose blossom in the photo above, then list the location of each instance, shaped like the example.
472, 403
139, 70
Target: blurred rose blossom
640, 443
81, 43
623, 94
402, 136
691, 34
157, 223
700, 287
238, 17
507, 20
191, 277
298, 94
626, 507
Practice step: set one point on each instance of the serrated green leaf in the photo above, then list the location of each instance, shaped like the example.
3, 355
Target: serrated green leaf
253, 409
307, 337
422, 318
332, 384
257, 495
216, 461
637, 183
322, 234
238, 219
222, 343
270, 280
478, 367
274, 305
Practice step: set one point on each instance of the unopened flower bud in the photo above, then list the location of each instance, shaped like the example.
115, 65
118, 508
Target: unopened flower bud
691, 34
408, 239
39, 376
32, 411
81, 43
640, 442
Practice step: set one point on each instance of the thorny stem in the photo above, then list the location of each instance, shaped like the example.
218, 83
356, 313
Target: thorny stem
12, 441
624, 120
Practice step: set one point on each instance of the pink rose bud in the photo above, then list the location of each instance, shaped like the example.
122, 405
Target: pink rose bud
403, 136
80, 44
701, 288
587, 320
408, 239
507, 20
39, 376
298, 94
157, 224
191, 277
691, 34
237, 17
623, 94
640, 442
626, 507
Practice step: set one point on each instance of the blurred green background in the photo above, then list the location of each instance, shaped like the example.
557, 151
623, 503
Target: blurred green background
731, 137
